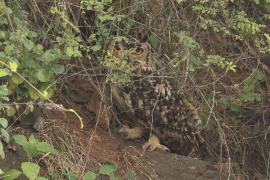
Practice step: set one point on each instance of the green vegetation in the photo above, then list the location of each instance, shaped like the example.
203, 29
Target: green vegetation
214, 50
107, 170
33, 147
29, 169
4, 136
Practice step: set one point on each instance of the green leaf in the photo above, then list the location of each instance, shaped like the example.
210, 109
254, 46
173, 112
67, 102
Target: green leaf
10, 111
251, 97
130, 175
89, 175
33, 147
45, 147
5, 98
3, 122
43, 75
70, 175
180, 1
31, 150
58, 69
3, 72
32, 139
47, 94
33, 93
20, 139
28, 44
234, 107
2, 153
5, 135
12, 174
70, 51
3, 34
7, 10
3, 90
13, 65
154, 41
106, 17
9, 49
30, 170
129, 24
16, 79
48, 56
107, 169
38, 49
252, 80
96, 47
3, 20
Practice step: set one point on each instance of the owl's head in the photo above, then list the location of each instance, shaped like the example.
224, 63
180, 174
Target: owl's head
139, 57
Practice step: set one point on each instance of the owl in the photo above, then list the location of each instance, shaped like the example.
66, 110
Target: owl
162, 114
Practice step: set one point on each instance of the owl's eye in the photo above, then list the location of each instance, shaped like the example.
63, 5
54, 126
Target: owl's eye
116, 48
139, 51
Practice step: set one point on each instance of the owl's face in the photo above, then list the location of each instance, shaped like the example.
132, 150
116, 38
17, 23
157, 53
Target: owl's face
141, 57
138, 58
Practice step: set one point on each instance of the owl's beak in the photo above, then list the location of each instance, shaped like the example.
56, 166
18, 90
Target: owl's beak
125, 58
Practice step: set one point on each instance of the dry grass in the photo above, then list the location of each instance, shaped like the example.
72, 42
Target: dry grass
85, 150
242, 143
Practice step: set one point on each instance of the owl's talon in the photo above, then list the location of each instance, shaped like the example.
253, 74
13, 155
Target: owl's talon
132, 133
154, 143
163, 89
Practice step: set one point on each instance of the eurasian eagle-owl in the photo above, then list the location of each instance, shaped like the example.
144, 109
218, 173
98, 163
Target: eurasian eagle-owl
158, 108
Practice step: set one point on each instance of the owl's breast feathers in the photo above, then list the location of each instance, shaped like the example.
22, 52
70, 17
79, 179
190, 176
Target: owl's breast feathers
161, 108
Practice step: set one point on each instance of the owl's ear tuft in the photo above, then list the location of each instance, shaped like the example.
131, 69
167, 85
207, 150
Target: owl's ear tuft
144, 37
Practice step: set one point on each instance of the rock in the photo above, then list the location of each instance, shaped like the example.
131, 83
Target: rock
170, 166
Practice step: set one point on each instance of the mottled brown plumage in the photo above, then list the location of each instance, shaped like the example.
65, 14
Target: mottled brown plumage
157, 106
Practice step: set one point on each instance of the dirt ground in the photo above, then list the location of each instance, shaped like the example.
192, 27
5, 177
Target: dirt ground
97, 143
101, 146
88, 148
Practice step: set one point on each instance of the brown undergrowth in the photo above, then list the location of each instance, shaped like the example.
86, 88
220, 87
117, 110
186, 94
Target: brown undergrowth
238, 138
87, 149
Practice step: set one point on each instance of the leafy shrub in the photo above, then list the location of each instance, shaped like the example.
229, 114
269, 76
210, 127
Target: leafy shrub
29, 169
29, 67
4, 135
104, 170
33, 147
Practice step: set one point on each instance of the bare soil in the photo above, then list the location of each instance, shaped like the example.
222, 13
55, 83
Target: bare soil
97, 143
88, 148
